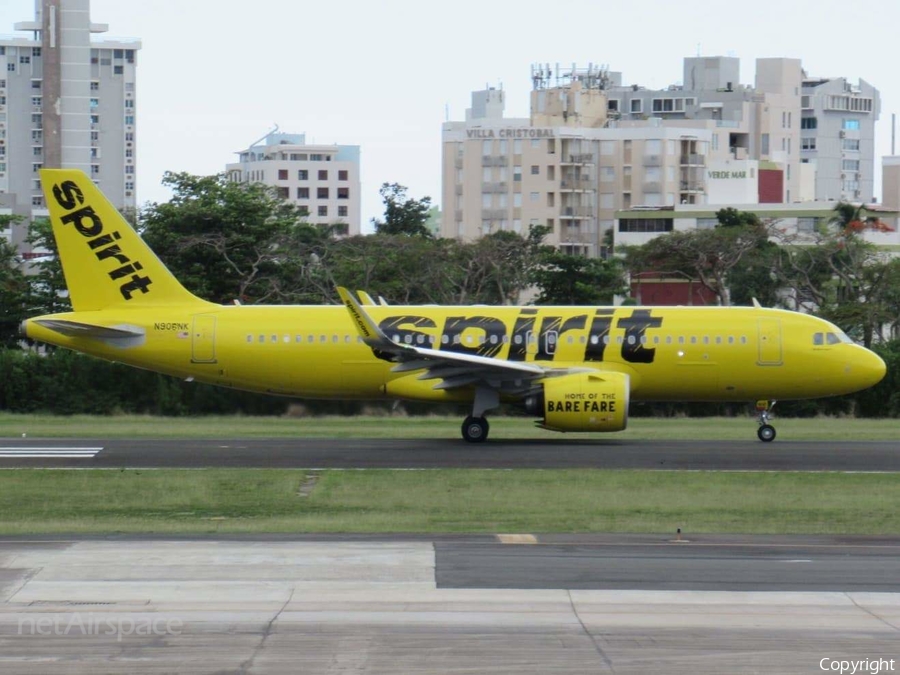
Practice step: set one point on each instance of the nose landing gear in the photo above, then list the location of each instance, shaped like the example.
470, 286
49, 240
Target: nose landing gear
766, 432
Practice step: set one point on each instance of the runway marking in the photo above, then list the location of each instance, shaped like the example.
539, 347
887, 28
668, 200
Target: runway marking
517, 539
35, 452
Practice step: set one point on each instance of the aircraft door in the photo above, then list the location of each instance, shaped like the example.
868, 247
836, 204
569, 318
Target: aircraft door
203, 339
551, 337
769, 341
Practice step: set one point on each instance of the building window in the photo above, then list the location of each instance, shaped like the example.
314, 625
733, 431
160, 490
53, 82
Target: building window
303, 174
517, 174
129, 136
129, 119
11, 67
322, 193
850, 165
850, 125
765, 144
646, 225
323, 174
809, 123
284, 192
851, 144
118, 70
343, 193
517, 200
535, 170
534, 196
24, 59
282, 174
637, 105
343, 174
303, 193
807, 143
323, 211
95, 169
342, 211
95, 86
35, 84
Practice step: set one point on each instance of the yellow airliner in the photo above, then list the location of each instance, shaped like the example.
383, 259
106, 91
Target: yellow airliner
577, 368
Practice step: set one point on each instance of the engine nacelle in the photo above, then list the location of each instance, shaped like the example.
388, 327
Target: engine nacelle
586, 402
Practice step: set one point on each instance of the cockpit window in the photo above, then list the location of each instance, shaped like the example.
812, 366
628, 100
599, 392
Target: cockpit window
832, 338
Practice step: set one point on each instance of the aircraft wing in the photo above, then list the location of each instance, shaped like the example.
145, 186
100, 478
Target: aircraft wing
452, 368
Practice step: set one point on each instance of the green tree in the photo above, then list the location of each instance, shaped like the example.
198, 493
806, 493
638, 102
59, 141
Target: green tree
837, 274
13, 288
47, 289
565, 279
403, 215
226, 241
710, 256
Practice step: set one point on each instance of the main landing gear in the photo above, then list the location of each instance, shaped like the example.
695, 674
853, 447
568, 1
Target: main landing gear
766, 431
475, 428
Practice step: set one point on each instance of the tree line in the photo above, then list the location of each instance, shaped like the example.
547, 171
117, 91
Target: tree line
240, 242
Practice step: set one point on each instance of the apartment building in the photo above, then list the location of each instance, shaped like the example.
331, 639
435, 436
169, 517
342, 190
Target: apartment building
592, 146
67, 99
323, 179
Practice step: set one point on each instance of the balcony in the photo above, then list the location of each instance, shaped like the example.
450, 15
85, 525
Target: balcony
578, 183
693, 160
652, 186
491, 160
691, 186
652, 160
581, 158
495, 187
577, 212
493, 214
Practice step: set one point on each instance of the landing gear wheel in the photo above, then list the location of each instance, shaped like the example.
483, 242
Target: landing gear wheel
766, 433
475, 429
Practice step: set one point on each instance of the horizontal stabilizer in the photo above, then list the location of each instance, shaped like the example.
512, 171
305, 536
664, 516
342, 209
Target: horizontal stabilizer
87, 330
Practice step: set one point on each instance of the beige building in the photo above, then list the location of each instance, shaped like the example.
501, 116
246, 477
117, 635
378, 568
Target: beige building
323, 179
592, 146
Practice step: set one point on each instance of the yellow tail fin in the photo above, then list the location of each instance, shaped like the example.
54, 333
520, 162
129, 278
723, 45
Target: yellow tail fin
104, 260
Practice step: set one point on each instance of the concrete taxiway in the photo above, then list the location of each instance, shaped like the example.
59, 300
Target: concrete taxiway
333, 604
307, 453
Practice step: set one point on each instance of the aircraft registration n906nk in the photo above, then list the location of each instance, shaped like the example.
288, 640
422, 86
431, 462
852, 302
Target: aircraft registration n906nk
577, 368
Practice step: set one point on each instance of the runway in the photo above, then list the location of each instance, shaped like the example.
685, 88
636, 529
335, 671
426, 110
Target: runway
338, 604
569, 453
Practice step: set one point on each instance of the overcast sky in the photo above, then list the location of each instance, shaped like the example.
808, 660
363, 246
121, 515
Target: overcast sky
216, 75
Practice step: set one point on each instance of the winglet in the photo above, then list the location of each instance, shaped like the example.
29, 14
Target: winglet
756, 303
365, 297
364, 323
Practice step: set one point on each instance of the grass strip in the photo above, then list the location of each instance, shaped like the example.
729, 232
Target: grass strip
502, 428
34, 501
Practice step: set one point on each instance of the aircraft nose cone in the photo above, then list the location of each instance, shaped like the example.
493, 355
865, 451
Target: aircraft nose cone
878, 368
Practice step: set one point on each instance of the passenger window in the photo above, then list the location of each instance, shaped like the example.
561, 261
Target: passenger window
681, 339
335, 339
606, 339
444, 339
298, 339
743, 339
323, 338
731, 339
262, 339
570, 340
706, 339
347, 339
668, 339
311, 338
631, 339
594, 339
249, 338
274, 338
718, 339
693, 339
619, 340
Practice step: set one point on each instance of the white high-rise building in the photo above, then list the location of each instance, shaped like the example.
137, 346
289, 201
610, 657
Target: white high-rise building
323, 179
66, 100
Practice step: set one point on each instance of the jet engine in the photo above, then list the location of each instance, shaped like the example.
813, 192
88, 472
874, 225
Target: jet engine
596, 401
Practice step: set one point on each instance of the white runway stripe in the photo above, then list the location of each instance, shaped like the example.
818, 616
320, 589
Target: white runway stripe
44, 453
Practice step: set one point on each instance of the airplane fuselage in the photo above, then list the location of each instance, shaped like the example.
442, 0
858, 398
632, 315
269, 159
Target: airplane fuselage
669, 353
